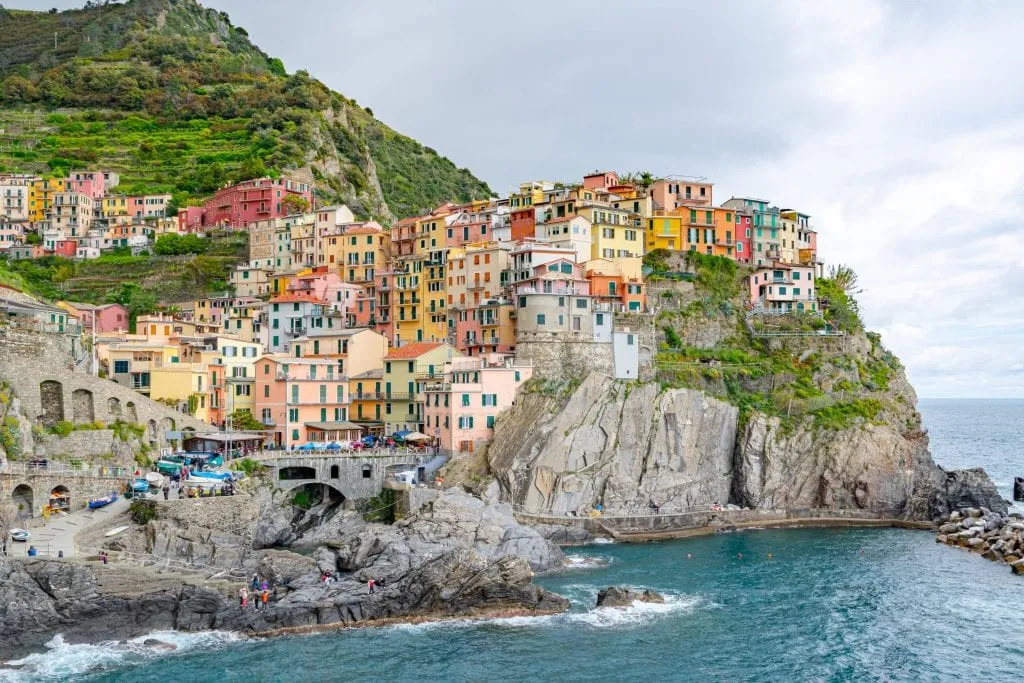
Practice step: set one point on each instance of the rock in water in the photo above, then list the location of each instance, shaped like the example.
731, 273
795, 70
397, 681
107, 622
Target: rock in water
1018, 488
614, 596
155, 644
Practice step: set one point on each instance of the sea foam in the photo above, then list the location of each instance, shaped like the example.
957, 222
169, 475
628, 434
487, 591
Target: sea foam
62, 660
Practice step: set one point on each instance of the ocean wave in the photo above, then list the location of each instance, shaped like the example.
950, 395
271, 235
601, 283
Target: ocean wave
602, 540
62, 660
586, 562
637, 614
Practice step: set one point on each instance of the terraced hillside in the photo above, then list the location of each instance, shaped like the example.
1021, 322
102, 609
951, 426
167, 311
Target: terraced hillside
177, 99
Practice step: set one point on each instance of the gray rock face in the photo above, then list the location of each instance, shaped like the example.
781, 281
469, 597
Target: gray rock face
453, 520
617, 444
1018, 488
623, 446
625, 597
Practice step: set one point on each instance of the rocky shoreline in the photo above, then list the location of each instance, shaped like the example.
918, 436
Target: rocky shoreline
457, 558
997, 537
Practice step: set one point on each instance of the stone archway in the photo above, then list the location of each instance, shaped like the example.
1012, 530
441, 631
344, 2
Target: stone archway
151, 430
166, 425
82, 409
114, 407
24, 499
130, 413
51, 400
60, 498
306, 496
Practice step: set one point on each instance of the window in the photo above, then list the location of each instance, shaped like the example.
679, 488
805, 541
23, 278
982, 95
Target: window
295, 393
796, 275
600, 318
293, 414
120, 366
782, 290
490, 422
295, 435
796, 291
266, 391
630, 339
581, 303
465, 399
540, 318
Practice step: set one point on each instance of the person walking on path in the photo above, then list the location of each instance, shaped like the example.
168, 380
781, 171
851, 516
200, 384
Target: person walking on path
263, 599
371, 584
243, 597
255, 583
167, 491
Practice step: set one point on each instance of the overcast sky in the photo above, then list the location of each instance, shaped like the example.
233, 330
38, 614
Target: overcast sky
899, 126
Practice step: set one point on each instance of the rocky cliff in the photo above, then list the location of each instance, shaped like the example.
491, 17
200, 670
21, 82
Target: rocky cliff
457, 557
624, 446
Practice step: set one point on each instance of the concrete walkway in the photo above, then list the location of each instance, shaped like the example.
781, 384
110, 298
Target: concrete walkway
59, 533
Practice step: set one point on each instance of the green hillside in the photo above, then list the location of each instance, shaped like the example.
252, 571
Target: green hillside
177, 99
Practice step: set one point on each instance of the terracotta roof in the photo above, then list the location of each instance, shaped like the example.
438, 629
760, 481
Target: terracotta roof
362, 230
413, 350
561, 220
293, 298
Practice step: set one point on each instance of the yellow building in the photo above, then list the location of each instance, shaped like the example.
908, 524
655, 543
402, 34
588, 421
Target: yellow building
530, 194
665, 231
232, 375
406, 368
40, 196
615, 233
186, 380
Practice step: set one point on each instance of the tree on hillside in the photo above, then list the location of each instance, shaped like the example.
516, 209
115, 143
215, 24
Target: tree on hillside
295, 204
242, 419
844, 277
133, 297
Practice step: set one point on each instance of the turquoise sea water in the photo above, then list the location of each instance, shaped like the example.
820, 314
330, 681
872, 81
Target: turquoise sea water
828, 605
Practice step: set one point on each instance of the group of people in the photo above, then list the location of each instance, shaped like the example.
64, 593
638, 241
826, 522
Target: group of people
259, 590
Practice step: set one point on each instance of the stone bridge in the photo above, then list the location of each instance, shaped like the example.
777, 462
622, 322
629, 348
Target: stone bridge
41, 369
31, 488
353, 475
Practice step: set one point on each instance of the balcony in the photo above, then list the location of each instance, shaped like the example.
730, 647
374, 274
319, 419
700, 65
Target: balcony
367, 396
399, 396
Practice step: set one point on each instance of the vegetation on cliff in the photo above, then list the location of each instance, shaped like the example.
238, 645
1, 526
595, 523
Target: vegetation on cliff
796, 366
177, 99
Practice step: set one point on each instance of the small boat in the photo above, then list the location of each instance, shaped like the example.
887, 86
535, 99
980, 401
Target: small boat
102, 501
155, 479
20, 535
140, 486
222, 476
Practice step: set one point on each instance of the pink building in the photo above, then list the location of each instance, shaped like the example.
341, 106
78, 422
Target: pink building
742, 232
461, 409
784, 288
302, 400
92, 186
323, 285
237, 206
109, 317
600, 181
65, 248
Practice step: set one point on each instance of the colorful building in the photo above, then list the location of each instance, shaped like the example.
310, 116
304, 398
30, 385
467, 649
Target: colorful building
784, 288
462, 406
406, 368
239, 206
302, 399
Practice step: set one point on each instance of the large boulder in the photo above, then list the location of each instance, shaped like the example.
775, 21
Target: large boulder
1018, 488
625, 597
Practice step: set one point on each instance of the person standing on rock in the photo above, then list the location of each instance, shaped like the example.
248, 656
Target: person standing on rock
243, 597
255, 583
167, 492
264, 595
370, 585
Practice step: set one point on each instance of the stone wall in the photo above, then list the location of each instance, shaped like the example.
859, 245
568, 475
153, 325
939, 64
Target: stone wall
80, 488
40, 368
82, 444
